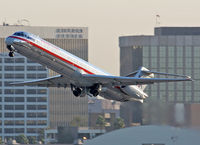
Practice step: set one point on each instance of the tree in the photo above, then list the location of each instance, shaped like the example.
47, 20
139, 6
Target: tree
22, 139
1, 140
101, 122
119, 123
32, 140
41, 135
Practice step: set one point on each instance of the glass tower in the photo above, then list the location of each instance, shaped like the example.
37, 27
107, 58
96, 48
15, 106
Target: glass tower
171, 51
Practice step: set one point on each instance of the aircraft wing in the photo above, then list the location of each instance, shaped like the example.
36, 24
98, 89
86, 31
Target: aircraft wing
123, 81
55, 81
61, 81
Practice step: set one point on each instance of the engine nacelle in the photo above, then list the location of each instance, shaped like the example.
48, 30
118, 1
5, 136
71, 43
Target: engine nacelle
134, 91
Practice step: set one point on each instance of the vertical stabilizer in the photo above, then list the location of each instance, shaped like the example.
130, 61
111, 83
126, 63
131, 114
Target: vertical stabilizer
143, 72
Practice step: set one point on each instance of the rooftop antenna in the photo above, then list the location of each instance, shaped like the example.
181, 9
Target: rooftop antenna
157, 20
4, 22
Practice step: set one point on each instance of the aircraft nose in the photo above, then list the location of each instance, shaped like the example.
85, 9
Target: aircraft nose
9, 40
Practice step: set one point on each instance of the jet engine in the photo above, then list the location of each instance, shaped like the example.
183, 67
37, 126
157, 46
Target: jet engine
82, 91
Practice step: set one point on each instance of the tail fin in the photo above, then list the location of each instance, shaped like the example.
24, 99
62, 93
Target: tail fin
142, 72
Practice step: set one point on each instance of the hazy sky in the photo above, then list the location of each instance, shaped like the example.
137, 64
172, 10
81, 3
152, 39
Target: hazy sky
106, 19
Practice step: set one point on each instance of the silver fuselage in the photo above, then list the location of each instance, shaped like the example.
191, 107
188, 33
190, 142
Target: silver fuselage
69, 65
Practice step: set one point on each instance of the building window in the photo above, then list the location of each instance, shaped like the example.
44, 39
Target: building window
9, 76
31, 122
19, 115
9, 107
31, 107
8, 91
9, 60
41, 68
19, 60
9, 99
31, 76
41, 91
19, 130
42, 107
42, 122
19, 76
8, 122
19, 99
31, 115
31, 99
19, 68
41, 99
19, 107
31, 91
19, 91
12, 76
19, 122
39, 76
42, 115
31, 130
8, 115
31, 68
14, 68
9, 68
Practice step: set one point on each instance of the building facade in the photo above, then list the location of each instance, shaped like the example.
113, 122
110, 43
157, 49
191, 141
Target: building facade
173, 50
27, 110
24, 110
109, 110
166, 51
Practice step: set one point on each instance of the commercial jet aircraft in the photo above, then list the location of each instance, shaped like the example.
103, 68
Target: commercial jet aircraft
82, 77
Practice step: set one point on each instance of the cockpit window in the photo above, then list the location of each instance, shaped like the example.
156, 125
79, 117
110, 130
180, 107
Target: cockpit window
20, 34
23, 34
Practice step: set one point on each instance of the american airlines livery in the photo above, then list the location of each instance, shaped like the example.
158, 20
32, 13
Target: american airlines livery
82, 77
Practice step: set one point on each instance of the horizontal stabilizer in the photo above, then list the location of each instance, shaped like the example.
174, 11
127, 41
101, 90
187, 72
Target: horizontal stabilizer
123, 81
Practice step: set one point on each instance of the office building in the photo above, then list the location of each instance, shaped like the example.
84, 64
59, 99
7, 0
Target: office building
173, 50
27, 110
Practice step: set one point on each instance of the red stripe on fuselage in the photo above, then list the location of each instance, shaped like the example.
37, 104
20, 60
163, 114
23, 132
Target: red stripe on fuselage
51, 53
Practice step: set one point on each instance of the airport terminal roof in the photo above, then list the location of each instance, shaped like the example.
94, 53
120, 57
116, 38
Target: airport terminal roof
146, 135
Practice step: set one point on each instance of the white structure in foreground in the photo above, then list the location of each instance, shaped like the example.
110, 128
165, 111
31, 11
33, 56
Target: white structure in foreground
148, 135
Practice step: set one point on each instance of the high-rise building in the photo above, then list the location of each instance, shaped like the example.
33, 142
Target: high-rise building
173, 50
27, 110
23, 110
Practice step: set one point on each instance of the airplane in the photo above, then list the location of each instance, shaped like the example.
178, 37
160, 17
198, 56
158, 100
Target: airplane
82, 77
